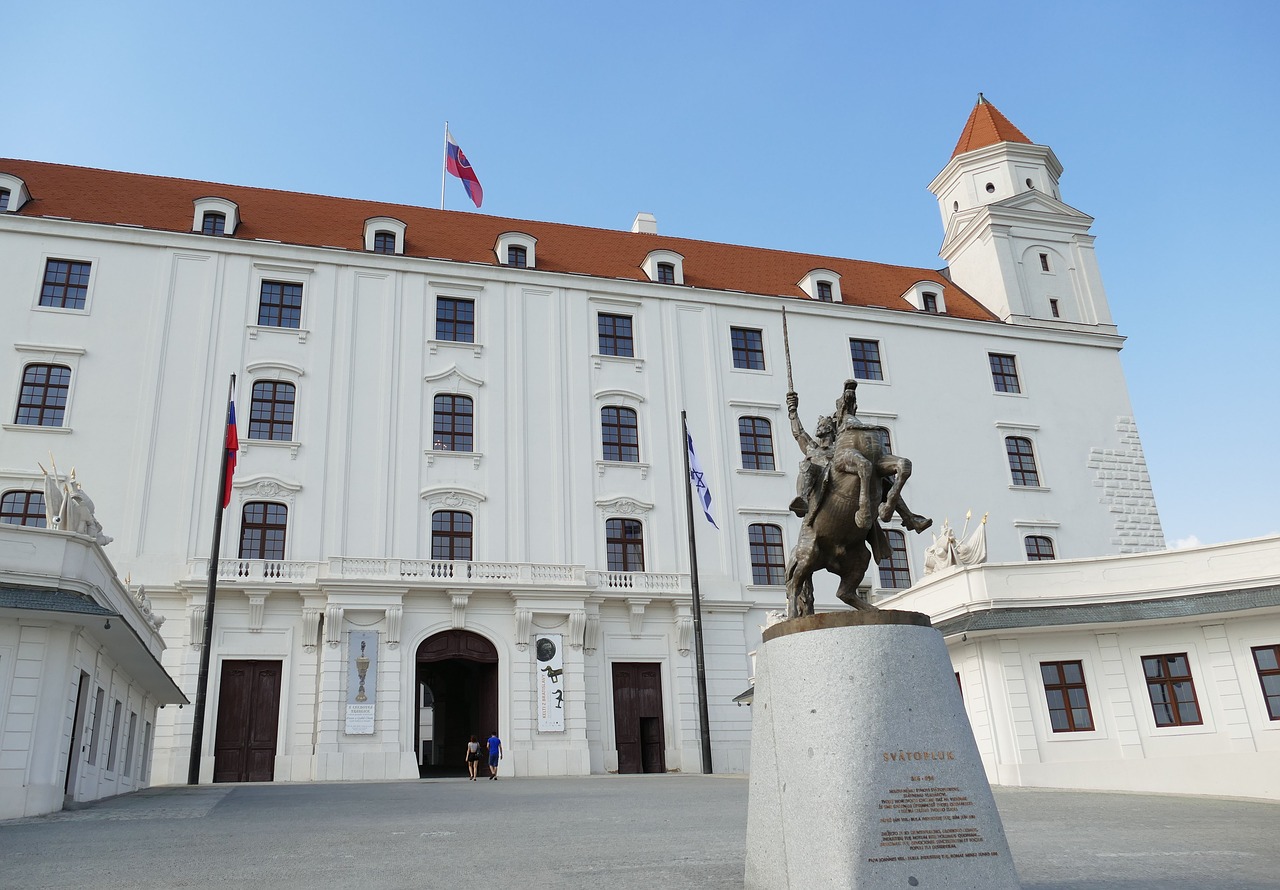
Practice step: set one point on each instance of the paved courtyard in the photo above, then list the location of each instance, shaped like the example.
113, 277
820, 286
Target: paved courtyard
607, 832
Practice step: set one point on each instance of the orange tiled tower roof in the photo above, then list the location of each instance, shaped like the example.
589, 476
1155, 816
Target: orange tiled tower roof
987, 126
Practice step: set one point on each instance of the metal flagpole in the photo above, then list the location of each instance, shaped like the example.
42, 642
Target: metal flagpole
704, 721
444, 163
202, 684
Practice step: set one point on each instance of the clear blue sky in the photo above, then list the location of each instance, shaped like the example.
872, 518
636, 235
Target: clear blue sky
802, 126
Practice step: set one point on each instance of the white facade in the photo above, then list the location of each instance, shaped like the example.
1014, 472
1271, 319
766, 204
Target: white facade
169, 313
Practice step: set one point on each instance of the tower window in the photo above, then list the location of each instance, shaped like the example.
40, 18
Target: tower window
1029, 185
1044, 262
991, 187
1053, 307
955, 206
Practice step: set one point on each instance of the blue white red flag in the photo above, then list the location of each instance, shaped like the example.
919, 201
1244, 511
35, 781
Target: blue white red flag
231, 448
698, 480
457, 164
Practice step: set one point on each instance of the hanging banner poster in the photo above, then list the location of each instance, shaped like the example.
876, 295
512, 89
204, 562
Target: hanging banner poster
550, 683
362, 681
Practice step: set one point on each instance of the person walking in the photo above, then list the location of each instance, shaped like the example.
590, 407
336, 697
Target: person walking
473, 757
495, 754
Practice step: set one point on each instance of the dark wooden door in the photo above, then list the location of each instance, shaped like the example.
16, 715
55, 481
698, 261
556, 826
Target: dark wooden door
637, 717
244, 748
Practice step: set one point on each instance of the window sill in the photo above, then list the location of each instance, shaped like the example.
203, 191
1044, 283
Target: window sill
866, 381
600, 360
602, 465
300, 333
32, 428
62, 310
1009, 395
743, 471
246, 444
434, 454
1030, 488
434, 346
761, 371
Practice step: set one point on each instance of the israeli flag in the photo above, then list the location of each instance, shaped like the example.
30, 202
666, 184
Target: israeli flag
698, 480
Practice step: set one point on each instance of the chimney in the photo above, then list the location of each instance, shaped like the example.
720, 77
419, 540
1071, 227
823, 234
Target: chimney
646, 223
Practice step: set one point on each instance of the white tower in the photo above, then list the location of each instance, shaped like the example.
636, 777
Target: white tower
1010, 240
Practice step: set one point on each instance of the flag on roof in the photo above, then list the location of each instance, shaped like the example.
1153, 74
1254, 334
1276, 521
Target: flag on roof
698, 480
456, 163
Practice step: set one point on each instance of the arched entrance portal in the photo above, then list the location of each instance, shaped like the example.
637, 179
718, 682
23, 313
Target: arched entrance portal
457, 697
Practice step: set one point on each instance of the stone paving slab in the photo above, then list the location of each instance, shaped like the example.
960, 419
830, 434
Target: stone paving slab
602, 832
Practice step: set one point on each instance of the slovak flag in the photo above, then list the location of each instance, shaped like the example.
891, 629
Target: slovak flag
457, 164
231, 448
698, 480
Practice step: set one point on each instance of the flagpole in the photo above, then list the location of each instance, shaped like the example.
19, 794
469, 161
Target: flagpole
704, 721
444, 163
202, 683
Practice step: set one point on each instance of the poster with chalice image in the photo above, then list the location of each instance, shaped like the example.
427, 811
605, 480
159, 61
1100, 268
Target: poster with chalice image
362, 681
546, 648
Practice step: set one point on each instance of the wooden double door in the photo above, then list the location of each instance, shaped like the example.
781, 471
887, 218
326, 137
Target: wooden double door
244, 748
637, 717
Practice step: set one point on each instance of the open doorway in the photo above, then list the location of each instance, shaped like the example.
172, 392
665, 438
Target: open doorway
456, 697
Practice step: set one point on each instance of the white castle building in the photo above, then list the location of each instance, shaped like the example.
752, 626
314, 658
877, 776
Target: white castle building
459, 435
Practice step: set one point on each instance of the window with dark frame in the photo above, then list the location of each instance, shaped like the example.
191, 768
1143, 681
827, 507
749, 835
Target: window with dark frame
456, 320
824, 291
1067, 695
930, 303
4, 200
768, 560
42, 400
666, 273
1172, 691
755, 436
271, 410
453, 423
213, 223
451, 535
615, 335
624, 545
1022, 461
1267, 661
1038, 547
517, 256
1004, 372
1053, 307
262, 530
384, 242
620, 434
280, 305
748, 348
886, 442
1044, 262
895, 570
866, 359
66, 284
23, 508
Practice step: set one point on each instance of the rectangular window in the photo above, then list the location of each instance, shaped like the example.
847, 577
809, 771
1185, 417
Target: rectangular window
453, 423
1044, 262
42, 401
1068, 697
115, 736
895, 570
450, 535
1267, 660
4, 200
130, 738
615, 335
931, 303
271, 410
1172, 691
768, 560
456, 320
517, 256
620, 434
624, 545
262, 530
1053, 307
280, 305
755, 435
66, 284
748, 348
824, 291
99, 721
1022, 461
666, 273
866, 359
1004, 372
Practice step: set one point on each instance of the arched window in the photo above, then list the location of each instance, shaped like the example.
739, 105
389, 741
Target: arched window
450, 535
271, 411
43, 400
453, 423
768, 562
262, 530
895, 571
384, 242
213, 223
22, 508
1038, 547
624, 543
620, 434
755, 436
1022, 461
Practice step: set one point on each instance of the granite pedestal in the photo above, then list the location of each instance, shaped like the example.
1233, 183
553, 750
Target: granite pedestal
864, 772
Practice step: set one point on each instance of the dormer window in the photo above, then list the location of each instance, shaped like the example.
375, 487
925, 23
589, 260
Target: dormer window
214, 223
664, 267
517, 250
4, 200
13, 193
930, 302
384, 234
926, 296
822, 285
824, 291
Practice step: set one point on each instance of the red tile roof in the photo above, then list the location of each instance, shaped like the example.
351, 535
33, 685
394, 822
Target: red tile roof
987, 126
163, 203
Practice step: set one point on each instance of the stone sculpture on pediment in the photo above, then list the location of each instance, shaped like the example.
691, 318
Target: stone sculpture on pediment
68, 507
